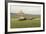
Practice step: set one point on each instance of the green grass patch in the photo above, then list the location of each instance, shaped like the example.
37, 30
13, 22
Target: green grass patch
24, 23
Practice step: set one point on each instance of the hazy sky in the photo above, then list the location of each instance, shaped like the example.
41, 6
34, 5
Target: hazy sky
36, 10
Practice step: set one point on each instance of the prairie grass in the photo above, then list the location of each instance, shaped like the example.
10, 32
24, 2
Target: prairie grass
25, 23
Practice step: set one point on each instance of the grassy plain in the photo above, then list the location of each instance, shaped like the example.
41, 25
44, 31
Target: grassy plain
25, 23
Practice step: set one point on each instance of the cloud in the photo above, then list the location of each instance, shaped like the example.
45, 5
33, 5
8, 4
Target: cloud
26, 9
